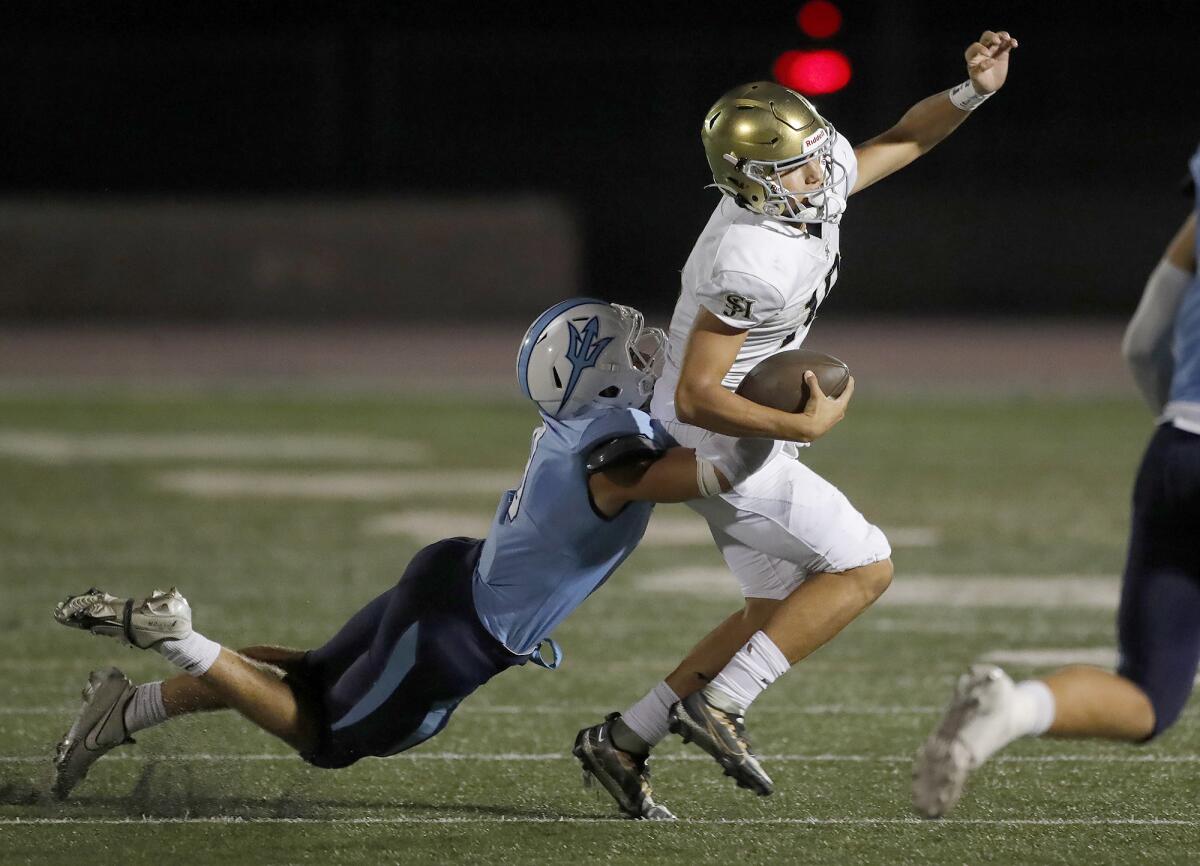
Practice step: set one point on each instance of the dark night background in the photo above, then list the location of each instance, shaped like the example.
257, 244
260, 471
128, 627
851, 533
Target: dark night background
1056, 198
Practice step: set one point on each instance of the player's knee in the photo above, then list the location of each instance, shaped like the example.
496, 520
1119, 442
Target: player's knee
1166, 695
1166, 705
758, 610
875, 578
273, 658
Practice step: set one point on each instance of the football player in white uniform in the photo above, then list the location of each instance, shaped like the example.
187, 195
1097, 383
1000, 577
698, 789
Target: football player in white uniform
808, 562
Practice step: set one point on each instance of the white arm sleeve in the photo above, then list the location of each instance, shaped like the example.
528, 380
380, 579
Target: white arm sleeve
1147, 343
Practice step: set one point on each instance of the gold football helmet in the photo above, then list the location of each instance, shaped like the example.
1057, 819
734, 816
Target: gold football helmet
758, 132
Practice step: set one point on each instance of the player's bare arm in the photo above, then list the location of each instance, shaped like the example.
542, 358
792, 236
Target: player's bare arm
669, 478
702, 400
936, 116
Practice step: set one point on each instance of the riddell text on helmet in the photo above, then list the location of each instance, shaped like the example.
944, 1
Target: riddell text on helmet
815, 140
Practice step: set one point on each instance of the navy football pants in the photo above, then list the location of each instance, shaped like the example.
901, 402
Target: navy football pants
1158, 623
391, 677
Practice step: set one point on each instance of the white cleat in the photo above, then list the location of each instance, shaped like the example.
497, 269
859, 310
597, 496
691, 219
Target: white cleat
143, 624
975, 726
99, 728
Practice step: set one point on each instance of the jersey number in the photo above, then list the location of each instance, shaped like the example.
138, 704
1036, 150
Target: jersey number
822, 293
515, 505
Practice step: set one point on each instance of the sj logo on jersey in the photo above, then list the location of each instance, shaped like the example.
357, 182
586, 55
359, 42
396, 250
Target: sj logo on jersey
738, 307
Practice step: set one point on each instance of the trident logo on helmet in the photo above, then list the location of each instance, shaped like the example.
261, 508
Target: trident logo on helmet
584, 351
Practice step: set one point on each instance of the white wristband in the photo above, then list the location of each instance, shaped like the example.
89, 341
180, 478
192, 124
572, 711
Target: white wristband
706, 478
965, 97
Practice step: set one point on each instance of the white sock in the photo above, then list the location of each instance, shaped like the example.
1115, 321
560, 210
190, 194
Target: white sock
194, 653
1033, 709
145, 709
648, 717
756, 665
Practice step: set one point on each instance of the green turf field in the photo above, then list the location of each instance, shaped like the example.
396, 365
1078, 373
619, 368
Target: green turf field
980, 490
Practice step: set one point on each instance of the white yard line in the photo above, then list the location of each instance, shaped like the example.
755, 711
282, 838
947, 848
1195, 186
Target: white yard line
57, 447
665, 530
810, 710
387, 820
336, 485
675, 757
1101, 657
1065, 591
930, 670
574, 709
947, 591
961, 623
913, 536
669, 527
1104, 656
27, 664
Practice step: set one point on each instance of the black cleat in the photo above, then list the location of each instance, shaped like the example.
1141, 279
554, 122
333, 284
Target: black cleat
625, 776
722, 735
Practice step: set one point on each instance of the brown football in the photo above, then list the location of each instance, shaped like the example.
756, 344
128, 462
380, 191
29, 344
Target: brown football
778, 381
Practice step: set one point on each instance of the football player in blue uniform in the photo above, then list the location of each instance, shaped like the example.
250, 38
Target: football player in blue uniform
465, 609
1158, 621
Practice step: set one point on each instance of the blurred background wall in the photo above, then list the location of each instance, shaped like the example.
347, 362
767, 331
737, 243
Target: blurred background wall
397, 161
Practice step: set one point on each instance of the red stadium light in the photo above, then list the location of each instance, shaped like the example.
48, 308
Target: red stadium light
819, 19
812, 72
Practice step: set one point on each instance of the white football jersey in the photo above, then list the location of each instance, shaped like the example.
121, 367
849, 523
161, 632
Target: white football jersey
756, 273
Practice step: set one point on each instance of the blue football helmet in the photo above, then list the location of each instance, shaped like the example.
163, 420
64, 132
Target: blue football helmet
583, 354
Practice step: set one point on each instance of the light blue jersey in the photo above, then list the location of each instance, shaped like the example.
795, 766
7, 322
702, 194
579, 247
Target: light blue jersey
1183, 405
548, 548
